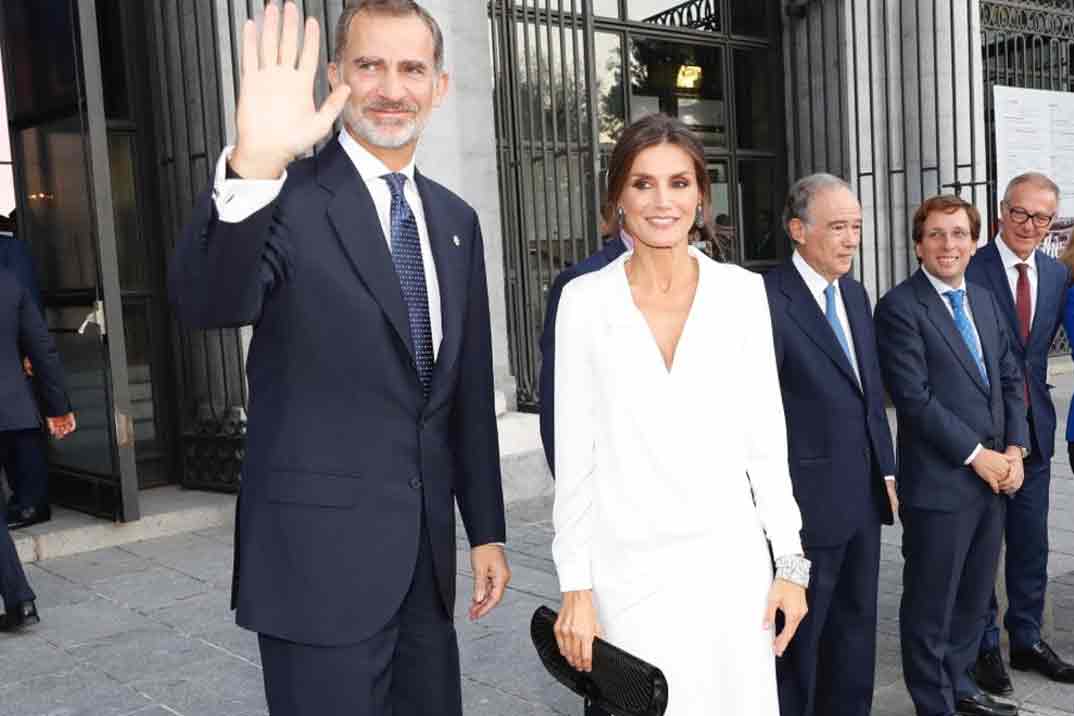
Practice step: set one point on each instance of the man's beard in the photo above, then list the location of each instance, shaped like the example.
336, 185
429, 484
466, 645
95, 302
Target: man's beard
406, 130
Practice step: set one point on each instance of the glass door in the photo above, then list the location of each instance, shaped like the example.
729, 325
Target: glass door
63, 179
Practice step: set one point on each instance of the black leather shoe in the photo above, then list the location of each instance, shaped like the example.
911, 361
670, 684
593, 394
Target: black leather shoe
984, 705
991, 675
21, 615
26, 516
1041, 658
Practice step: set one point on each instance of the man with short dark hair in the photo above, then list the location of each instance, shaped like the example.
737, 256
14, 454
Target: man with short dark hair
371, 392
951, 372
1030, 288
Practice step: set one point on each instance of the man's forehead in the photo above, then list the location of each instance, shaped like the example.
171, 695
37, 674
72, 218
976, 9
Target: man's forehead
392, 38
1025, 194
948, 218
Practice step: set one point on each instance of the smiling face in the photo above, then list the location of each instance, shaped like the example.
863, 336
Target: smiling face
946, 246
389, 63
829, 241
661, 196
1027, 198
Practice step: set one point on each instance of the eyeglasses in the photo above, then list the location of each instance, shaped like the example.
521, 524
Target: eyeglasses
1020, 216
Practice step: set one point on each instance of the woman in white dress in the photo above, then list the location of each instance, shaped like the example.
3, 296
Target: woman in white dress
671, 455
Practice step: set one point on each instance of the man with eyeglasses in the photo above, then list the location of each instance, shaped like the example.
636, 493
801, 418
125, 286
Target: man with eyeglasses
1030, 288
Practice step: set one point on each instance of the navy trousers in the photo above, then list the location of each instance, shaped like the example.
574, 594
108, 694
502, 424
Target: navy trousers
948, 578
829, 667
14, 588
26, 467
408, 668
1026, 561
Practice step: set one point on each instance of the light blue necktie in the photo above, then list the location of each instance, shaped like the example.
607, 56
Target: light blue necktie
406, 255
833, 321
965, 328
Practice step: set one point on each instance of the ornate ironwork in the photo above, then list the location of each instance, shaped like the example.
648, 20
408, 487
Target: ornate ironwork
692, 14
1049, 19
214, 451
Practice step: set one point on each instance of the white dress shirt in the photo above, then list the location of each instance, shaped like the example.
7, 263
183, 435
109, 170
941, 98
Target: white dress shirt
942, 288
1010, 261
237, 199
817, 285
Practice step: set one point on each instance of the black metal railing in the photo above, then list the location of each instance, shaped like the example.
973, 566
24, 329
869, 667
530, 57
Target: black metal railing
693, 14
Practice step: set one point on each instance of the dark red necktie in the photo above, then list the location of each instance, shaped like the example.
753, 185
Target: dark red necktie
1023, 307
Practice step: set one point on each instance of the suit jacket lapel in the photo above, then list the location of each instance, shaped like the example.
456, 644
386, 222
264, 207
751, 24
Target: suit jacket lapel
449, 252
354, 218
860, 328
941, 318
806, 314
1047, 275
1001, 287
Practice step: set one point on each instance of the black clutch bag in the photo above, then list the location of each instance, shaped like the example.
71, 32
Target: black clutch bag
620, 683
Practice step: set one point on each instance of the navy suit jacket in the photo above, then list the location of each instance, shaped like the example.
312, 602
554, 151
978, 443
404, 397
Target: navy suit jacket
345, 459
837, 432
611, 250
943, 405
986, 269
15, 256
23, 333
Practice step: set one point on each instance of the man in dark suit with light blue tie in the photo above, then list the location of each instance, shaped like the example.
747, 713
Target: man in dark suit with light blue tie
1030, 288
840, 448
953, 376
371, 390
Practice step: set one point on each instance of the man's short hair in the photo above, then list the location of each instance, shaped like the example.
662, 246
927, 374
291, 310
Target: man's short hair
394, 8
948, 204
802, 192
1035, 180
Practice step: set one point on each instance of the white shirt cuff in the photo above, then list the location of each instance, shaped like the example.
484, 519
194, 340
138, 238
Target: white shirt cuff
237, 199
889, 478
973, 455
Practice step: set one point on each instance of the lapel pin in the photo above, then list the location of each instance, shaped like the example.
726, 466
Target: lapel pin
456, 240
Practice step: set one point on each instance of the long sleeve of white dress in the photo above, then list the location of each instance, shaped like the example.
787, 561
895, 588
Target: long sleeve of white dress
766, 433
575, 442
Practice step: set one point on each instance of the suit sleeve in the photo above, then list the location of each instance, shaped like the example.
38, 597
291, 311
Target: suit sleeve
906, 375
572, 511
767, 463
221, 271
1013, 385
885, 458
1068, 324
479, 490
35, 342
548, 369
23, 266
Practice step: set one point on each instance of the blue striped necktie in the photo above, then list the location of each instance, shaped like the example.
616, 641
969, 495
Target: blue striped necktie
406, 255
965, 329
831, 313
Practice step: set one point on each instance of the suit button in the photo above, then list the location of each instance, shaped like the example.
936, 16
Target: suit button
415, 483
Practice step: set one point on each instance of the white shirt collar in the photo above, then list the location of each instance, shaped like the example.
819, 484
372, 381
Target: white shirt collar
369, 167
942, 287
1010, 259
816, 283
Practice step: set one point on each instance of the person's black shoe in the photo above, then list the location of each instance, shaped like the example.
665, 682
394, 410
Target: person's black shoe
991, 675
21, 615
26, 516
1041, 658
984, 705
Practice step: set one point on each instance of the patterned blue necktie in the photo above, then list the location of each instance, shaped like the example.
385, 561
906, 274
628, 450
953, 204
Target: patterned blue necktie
406, 255
833, 320
965, 329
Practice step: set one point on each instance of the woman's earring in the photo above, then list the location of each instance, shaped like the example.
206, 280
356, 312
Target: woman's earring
699, 220
622, 217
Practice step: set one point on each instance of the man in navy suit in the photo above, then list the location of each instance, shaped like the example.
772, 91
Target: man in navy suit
841, 457
371, 392
953, 376
1030, 288
26, 465
23, 332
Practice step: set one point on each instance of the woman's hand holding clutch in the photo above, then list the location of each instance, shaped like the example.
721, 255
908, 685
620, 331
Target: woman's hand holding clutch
576, 627
789, 598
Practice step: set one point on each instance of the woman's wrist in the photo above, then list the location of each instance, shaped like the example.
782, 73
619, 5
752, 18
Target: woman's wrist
793, 568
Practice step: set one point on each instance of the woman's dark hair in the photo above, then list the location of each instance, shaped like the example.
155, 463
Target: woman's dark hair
651, 131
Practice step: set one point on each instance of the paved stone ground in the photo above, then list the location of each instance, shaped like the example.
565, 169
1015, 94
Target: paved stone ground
145, 629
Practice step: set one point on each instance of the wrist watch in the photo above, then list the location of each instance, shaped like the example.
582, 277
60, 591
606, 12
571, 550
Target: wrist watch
1025, 451
793, 568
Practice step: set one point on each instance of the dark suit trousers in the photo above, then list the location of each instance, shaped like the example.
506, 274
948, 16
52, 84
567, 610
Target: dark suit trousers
1026, 561
26, 468
948, 578
13, 585
409, 668
828, 669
